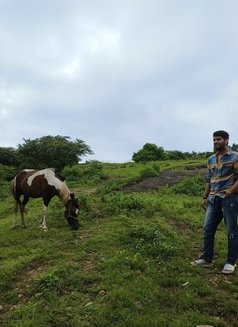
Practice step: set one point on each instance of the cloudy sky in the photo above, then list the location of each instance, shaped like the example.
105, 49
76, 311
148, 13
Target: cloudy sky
119, 73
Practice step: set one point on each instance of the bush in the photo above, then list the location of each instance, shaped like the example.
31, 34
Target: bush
152, 242
85, 173
119, 203
150, 170
192, 186
48, 281
149, 152
7, 173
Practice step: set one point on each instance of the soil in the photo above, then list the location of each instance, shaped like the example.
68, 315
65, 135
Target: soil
166, 178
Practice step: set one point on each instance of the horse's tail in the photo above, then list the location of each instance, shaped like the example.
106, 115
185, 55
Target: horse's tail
13, 187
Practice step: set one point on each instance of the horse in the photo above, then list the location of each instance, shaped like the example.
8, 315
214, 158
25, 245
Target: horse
45, 184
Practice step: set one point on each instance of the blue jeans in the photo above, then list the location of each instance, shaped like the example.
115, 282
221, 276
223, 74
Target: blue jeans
217, 209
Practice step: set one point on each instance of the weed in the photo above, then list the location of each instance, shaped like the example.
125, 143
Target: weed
191, 186
47, 281
150, 170
119, 202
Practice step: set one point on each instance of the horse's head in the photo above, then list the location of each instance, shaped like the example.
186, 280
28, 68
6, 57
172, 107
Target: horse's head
71, 212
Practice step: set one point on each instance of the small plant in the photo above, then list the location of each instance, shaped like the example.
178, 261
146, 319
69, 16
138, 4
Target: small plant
89, 173
83, 202
150, 170
4, 190
7, 173
152, 242
191, 186
47, 281
121, 202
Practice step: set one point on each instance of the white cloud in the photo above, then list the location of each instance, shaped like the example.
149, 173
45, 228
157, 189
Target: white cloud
119, 74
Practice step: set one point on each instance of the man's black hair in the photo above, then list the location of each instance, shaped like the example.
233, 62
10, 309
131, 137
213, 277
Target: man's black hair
222, 134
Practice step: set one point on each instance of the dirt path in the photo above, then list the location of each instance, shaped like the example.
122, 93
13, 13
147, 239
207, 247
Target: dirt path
166, 178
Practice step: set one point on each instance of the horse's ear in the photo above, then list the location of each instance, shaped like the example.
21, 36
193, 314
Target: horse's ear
61, 178
72, 196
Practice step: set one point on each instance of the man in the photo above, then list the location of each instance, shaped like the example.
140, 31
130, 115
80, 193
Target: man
221, 201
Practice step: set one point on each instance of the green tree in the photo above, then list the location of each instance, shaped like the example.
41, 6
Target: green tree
8, 156
176, 155
51, 151
234, 147
149, 152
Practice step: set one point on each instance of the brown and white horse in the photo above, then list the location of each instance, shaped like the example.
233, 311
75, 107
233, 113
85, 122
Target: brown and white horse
43, 184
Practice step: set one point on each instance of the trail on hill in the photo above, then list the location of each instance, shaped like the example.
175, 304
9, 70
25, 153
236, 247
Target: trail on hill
166, 178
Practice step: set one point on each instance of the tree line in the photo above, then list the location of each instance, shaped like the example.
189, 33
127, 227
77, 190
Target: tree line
60, 151
152, 152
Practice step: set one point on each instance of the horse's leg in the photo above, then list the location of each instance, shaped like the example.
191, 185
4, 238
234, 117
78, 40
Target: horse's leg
23, 210
43, 218
15, 214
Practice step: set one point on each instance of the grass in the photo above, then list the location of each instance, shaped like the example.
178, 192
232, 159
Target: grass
128, 265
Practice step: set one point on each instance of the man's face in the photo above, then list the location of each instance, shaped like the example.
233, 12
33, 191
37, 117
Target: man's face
219, 143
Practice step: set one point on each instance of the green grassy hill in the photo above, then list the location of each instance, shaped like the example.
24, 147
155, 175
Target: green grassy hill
127, 265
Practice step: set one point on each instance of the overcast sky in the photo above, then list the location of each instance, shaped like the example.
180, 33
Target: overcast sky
119, 74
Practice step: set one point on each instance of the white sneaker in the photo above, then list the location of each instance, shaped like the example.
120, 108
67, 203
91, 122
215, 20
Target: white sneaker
228, 269
202, 262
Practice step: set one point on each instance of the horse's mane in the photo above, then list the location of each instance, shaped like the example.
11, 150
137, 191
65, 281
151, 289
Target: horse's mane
64, 193
61, 178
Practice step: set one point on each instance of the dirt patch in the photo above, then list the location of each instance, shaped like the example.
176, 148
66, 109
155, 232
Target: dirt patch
20, 285
166, 178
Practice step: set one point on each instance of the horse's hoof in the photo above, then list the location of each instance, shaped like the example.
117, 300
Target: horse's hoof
45, 229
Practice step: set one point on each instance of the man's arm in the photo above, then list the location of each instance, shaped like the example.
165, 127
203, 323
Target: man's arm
206, 191
232, 189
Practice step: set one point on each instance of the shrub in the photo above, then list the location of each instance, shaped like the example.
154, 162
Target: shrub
4, 190
83, 202
152, 242
48, 281
85, 173
191, 186
149, 152
150, 170
119, 203
7, 173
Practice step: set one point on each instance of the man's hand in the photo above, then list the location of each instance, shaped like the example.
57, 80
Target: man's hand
228, 193
204, 203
